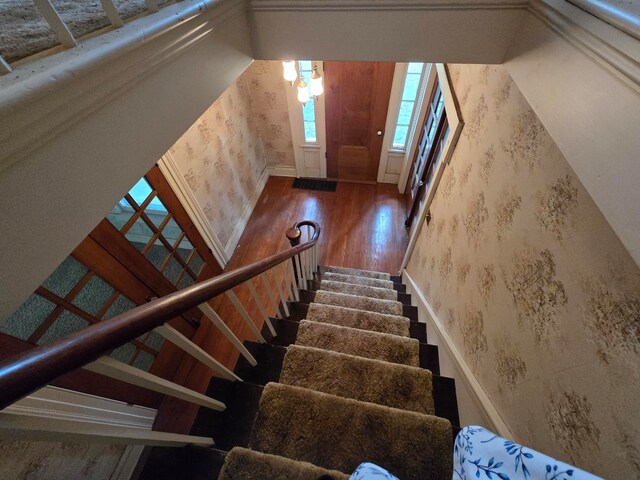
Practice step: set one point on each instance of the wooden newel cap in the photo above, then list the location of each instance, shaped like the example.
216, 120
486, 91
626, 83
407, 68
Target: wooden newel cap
294, 234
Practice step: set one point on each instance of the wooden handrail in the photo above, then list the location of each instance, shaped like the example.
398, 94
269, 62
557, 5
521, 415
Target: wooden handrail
38, 367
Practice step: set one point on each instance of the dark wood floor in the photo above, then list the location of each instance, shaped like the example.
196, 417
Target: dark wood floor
362, 225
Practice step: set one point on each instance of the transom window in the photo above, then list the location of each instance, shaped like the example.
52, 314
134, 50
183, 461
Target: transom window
305, 68
407, 104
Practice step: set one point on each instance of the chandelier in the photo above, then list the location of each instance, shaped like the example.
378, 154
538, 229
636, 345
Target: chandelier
291, 75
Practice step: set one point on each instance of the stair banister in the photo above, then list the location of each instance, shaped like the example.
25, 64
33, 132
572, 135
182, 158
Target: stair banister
27, 372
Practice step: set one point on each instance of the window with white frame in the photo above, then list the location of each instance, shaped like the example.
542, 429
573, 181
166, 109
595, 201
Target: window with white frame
305, 68
407, 104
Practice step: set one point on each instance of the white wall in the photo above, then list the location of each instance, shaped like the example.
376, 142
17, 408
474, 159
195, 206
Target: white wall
385, 30
99, 126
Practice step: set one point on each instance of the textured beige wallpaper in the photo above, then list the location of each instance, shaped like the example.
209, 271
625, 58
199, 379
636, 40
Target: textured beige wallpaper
269, 100
532, 284
224, 153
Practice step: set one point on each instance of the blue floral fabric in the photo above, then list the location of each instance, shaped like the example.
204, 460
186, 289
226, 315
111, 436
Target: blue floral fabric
371, 471
481, 454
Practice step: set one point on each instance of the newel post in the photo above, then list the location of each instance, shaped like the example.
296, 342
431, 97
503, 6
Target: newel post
293, 235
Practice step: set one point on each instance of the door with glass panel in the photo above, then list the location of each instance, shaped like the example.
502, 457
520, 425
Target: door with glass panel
145, 248
424, 156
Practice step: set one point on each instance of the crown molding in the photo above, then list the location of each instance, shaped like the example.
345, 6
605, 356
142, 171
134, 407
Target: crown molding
610, 47
43, 98
373, 5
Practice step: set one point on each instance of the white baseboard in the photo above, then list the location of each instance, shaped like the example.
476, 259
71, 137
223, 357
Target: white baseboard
282, 171
470, 384
247, 210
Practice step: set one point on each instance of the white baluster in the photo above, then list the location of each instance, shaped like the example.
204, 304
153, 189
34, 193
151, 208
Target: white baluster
213, 316
263, 311
245, 315
18, 426
294, 281
4, 66
195, 351
121, 371
111, 13
287, 281
272, 299
283, 300
302, 281
55, 22
152, 5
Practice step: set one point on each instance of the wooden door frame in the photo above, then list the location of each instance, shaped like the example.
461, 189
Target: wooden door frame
455, 125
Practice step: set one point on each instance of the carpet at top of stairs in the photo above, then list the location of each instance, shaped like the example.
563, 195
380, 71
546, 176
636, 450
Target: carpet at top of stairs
339, 433
360, 319
378, 346
391, 307
348, 376
359, 273
241, 463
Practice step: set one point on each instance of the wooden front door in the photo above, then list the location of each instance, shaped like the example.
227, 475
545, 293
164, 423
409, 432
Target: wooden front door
424, 156
356, 104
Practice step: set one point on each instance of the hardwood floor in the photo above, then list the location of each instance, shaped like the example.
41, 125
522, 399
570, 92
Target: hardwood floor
362, 225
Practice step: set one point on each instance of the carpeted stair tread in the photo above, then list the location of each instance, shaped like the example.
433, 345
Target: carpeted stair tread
390, 307
338, 433
362, 290
361, 343
367, 380
360, 319
355, 272
370, 282
244, 464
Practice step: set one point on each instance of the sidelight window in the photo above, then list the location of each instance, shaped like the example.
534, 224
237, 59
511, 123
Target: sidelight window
308, 109
407, 110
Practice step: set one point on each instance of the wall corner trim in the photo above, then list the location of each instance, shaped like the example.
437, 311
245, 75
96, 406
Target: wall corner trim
171, 172
479, 396
247, 210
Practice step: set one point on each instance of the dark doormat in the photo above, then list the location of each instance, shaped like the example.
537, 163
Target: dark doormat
311, 184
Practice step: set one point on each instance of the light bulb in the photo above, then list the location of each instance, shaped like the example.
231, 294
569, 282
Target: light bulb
316, 83
303, 91
289, 70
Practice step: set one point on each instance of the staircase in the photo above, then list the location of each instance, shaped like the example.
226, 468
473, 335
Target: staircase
349, 377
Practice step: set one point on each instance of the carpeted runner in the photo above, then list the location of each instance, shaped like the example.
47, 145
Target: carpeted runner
391, 307
370, 282
361, 343
359, 273
348, 376
362, 290
245, 464
338, 433
360, 319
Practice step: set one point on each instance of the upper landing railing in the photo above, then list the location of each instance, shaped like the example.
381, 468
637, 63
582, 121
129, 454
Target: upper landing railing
108, 15
88, 348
